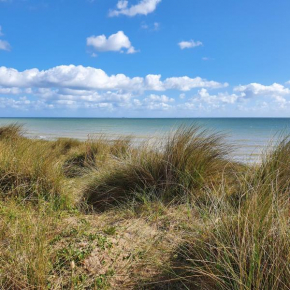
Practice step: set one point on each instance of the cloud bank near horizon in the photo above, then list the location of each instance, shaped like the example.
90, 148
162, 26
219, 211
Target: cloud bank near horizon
73, 87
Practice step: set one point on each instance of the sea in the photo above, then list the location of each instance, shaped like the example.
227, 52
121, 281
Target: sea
248, 137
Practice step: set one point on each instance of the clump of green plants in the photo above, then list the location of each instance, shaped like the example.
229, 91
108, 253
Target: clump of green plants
189, 160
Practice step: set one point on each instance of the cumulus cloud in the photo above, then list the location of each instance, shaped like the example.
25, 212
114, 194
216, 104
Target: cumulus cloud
144, 7
74, 77
189, 44
186, 84
87, 87
255, 89
157, 102
89, 78
206, 102
115, 42
158, 99
10, 91
276, 91
23, 104
221, 98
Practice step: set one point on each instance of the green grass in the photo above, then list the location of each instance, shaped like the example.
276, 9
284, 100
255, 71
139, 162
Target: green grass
171, 214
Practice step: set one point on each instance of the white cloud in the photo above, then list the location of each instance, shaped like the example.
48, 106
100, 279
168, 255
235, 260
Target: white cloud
186, 84
189, 44
255, 89
24, 104
156, 99
156, 102
203, 101
89, 78
74, 77
86, 87
10, 91
144, 25
153, 82
156, 25
144, 7
153, 27
122, 4
277, 92
115, 42
4, 45
224, 98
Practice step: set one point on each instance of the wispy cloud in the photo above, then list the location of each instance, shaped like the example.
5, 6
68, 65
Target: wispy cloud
152, 27
4, 45
189, 44
144, 7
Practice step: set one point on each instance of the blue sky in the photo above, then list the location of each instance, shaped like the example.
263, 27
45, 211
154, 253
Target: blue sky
144, 58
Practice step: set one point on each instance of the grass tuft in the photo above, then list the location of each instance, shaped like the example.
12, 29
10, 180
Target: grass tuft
11, 131
189, 160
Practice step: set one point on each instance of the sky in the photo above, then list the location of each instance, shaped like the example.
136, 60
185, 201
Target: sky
144, 58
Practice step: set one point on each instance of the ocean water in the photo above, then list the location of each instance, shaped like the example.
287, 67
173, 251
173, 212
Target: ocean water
249, 136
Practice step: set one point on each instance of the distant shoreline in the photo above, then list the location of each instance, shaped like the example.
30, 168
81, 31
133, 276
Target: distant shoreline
249, 136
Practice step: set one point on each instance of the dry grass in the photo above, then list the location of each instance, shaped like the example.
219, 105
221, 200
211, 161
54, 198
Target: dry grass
190, 160
187, 217
11, 131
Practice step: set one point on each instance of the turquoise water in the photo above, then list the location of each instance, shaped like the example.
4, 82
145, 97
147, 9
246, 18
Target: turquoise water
248, 135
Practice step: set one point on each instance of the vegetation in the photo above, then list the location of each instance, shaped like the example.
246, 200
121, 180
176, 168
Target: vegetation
174, 213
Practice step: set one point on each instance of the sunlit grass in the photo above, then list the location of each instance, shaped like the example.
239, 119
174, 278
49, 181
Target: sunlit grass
172, 214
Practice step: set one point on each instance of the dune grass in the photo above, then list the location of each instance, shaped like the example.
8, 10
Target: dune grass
189, 160
171, 214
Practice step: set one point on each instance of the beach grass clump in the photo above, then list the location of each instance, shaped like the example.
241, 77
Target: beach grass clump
95, 154
243, 249
11, 131
189, 160
78, 164
275, 166
121, 147
64, 145
273, 172
24, 246
29, 171
198, 220
104, 148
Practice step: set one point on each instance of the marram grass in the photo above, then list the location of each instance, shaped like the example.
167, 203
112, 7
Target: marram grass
172, 214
